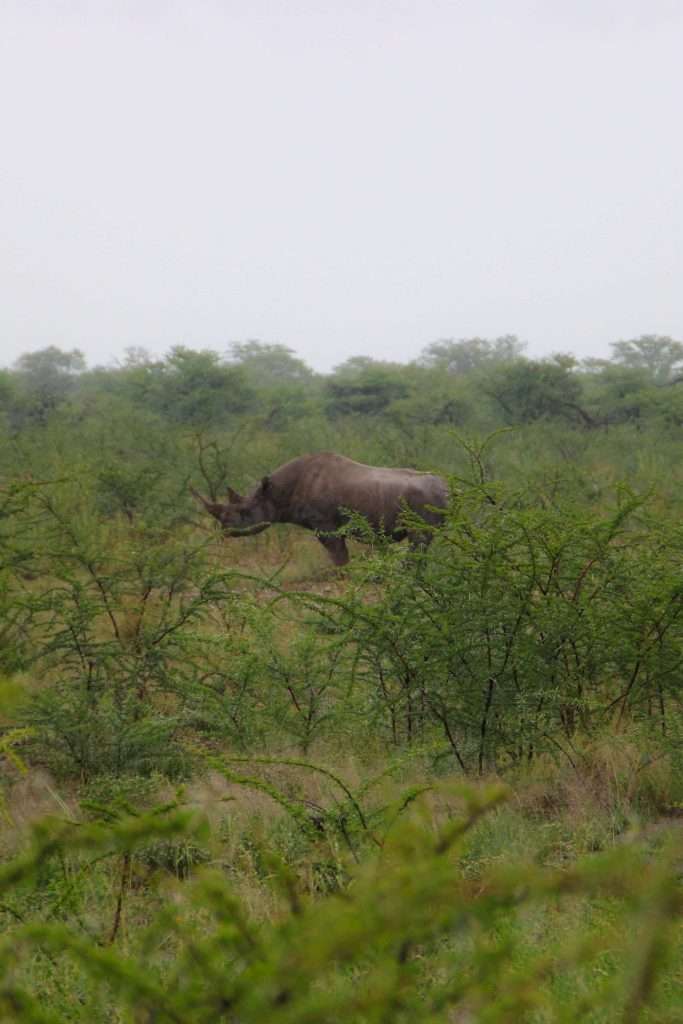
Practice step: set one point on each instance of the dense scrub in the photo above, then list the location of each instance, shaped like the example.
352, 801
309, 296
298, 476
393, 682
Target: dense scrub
257, 763
425, 929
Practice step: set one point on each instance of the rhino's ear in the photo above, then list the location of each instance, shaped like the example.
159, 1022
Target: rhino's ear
265, 484
234, 496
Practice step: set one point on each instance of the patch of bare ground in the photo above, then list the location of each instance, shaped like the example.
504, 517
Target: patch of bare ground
292, 558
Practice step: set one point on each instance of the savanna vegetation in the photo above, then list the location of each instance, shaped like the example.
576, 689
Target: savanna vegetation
238, 785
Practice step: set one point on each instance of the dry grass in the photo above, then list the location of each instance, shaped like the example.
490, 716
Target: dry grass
28, 797
615, 785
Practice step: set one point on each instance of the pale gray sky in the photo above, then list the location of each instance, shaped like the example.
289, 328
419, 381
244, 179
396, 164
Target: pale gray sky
345, 177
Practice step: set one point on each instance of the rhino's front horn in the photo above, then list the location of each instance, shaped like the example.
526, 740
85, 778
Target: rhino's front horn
245, 531
200, 497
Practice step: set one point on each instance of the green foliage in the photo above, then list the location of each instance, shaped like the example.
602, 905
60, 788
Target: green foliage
660, 356
533, 390
44, 379
465, 355
532, 625
115, 641
7, 395
202, 390
315, 715
412, 937
268, 365
303, 676
364, 390
197, 388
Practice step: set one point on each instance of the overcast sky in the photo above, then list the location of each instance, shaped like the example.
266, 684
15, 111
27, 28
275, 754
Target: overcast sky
343, 176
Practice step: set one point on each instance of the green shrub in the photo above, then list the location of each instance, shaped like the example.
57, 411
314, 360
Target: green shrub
526, 626
412, 937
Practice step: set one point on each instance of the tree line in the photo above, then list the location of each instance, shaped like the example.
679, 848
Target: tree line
485, 383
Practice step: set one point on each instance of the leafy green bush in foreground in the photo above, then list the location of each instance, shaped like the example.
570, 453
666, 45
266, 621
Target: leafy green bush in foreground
413, 937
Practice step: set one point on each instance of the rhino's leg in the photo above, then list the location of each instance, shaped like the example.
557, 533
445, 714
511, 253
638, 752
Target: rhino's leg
419, 541
336, 549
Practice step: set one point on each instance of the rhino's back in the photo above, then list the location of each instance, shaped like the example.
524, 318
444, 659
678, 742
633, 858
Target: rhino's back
318, 485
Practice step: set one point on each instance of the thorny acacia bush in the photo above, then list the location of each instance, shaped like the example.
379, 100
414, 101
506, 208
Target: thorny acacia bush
527, 626
413, 937
137, 648
124, 635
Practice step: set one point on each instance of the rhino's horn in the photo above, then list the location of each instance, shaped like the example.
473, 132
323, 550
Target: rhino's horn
200, 497
245, 531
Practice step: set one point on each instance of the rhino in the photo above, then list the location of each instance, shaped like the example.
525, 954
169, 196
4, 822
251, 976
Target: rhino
317, 491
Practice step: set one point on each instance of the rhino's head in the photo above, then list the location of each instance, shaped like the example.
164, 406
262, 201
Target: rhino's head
239, 517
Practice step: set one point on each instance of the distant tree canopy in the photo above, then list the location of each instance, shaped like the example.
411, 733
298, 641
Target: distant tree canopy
199, 388
6, 387
269, 364
468, 354
660, 355
356, 366
47, 363
365, 387
468, 383
534, 389
44, 379
188, 386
